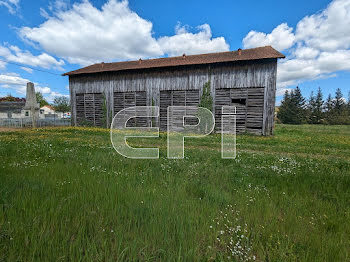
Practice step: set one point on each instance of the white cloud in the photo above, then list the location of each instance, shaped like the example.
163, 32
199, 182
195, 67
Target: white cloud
192, 43
15, 54
14, 82
2, 65
281, 38
54, 6
320, 47
328, 30
306, 53
44, 13
52, 96
27, 69
282, 90
84, 34
11, 5
58, 5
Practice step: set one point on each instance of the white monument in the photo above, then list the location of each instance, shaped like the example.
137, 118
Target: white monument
31, 103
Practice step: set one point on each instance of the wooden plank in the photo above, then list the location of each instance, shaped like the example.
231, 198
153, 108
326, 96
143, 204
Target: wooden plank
124, 100
89, 109
178, 98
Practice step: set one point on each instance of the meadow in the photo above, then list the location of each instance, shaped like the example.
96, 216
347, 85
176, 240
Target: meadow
67, 195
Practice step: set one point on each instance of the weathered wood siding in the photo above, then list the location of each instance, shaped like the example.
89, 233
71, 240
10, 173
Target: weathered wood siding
89, 109
177, 98
123, 100
238, 75
249, 103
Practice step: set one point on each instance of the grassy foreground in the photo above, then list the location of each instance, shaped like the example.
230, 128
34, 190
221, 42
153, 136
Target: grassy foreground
66, 195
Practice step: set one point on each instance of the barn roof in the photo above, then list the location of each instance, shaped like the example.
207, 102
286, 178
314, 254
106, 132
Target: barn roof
265, 52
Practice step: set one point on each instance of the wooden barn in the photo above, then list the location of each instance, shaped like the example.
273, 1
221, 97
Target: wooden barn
243, 78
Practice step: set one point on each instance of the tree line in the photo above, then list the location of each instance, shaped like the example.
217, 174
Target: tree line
295, 109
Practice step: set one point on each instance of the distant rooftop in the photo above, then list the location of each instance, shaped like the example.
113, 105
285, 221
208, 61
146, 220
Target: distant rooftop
12, 106
266, 52
48, 106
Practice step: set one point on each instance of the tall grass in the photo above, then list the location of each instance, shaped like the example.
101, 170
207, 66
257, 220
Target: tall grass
66, 195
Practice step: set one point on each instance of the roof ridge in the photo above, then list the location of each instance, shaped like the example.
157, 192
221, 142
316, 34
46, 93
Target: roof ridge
180, 56
263, 52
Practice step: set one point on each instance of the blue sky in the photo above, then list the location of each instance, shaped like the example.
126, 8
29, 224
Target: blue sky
61, 35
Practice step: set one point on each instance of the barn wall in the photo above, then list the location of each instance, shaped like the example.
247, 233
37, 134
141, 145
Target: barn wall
261, 73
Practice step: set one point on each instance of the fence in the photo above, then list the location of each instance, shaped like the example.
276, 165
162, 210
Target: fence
27, 122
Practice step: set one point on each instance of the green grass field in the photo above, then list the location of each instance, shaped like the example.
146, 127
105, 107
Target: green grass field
66, 195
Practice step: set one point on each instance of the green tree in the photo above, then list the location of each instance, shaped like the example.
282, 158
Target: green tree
336, 110
206, 102
341, 114
299, 107
206, 99
61, 104
329, 104
40, 99
329, 108
293, 108
311, 108
284, 113
339, 102
316, 106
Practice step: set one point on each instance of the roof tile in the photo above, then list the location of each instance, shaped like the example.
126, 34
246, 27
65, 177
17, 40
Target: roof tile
265, 52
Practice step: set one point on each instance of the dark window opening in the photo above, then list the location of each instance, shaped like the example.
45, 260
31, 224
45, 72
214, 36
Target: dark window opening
241, 101
27, 113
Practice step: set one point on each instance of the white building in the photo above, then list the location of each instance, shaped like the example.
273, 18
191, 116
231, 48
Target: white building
48, 111
16, 110
12, 109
